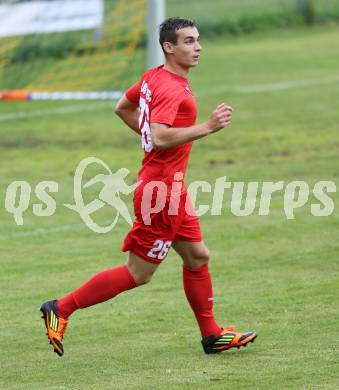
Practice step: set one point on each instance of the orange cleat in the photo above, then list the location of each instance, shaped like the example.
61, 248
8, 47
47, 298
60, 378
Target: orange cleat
55, 325
228, 338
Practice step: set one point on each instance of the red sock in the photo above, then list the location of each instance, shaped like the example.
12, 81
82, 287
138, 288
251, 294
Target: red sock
199, 293
101, 287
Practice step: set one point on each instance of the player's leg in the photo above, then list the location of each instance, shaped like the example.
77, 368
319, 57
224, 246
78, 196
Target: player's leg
107, 284
100, 288
198, 284
198, 289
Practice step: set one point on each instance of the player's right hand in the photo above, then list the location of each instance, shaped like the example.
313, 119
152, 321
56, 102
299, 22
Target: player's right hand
220, 117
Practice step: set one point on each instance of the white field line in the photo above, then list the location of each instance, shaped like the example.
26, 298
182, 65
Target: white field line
270, 87
57, 110
53, 229
242, 89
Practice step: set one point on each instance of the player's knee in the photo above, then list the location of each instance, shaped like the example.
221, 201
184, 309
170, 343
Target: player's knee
198, 258
206, 255
203, 255
141, 277
141, 270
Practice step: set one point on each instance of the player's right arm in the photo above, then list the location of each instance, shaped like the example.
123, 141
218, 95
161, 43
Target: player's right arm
129, 112
164, 137
127, 107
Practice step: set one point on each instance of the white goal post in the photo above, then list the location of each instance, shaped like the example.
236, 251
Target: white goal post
156, 11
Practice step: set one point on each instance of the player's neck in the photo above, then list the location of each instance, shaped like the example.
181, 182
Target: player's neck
176, 69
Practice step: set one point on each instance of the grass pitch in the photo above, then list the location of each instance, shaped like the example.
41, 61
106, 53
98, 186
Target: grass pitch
277, 276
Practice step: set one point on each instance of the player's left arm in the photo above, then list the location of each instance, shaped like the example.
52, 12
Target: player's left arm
128, 112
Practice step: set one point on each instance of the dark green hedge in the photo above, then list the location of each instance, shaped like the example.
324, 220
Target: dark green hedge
60, 45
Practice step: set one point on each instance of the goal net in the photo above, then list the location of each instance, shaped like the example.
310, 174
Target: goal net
69, 49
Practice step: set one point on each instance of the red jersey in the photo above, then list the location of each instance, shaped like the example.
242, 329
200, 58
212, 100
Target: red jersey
163, 97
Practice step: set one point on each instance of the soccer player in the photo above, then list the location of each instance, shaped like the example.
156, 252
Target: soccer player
162, 109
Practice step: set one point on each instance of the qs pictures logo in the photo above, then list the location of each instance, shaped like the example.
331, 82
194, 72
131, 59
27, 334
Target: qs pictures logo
246, 199
18, 196
113, 184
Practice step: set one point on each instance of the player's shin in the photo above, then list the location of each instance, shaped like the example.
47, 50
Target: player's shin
100, 288
199, 293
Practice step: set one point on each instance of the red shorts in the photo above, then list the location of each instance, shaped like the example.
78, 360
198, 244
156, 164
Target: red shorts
152, 241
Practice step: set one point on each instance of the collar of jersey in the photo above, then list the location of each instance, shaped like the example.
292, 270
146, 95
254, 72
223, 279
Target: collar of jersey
173, 74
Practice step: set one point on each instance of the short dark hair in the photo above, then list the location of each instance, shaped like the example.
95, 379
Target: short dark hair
169, 27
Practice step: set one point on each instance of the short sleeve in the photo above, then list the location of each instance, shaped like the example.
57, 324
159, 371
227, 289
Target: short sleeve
165, 105
133, 92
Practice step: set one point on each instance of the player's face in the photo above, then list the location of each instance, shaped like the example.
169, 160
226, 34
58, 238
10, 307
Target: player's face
186, 52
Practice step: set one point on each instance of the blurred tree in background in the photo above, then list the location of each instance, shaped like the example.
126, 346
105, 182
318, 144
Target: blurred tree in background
306, 8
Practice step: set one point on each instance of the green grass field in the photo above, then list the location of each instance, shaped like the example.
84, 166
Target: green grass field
277, 276
212, 11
